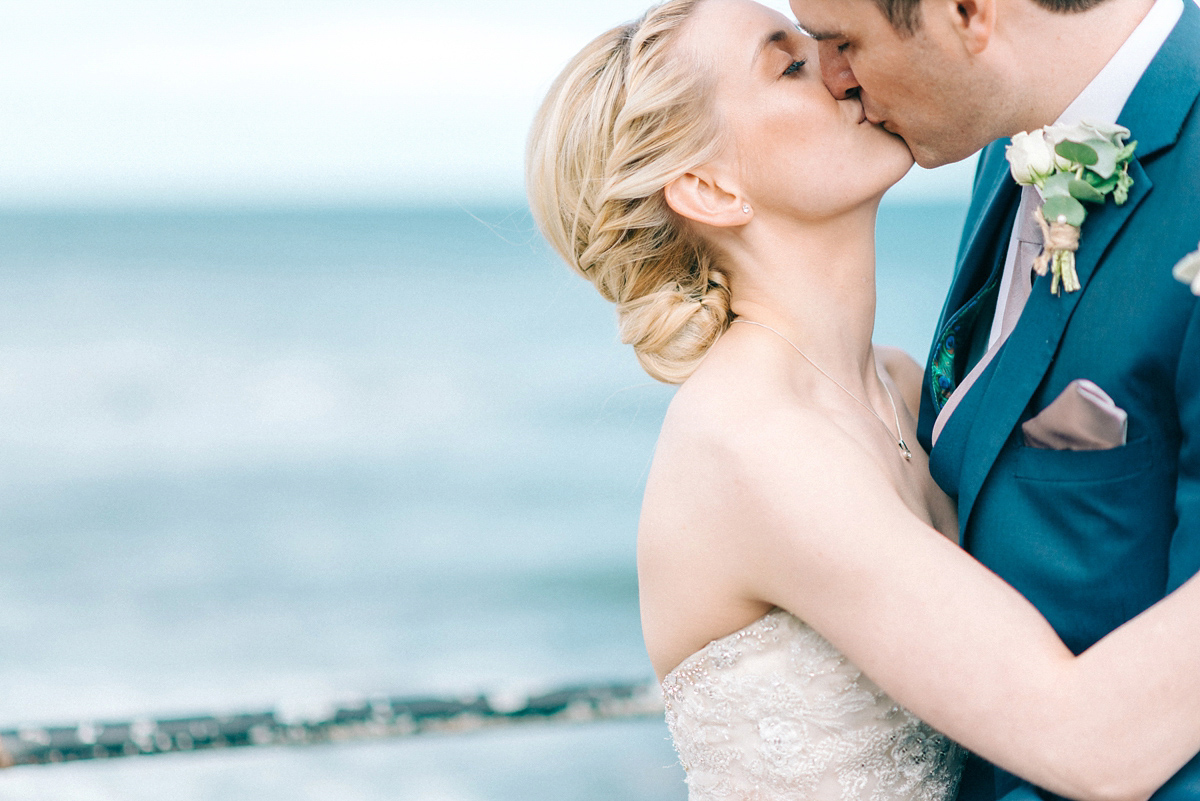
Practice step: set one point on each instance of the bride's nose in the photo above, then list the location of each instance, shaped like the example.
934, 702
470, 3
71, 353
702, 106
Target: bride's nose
836, 72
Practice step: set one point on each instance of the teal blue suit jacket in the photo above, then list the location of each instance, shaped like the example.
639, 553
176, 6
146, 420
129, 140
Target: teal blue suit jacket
1092, 538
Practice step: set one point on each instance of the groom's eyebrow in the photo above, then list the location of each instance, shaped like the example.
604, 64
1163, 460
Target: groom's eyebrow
820, 36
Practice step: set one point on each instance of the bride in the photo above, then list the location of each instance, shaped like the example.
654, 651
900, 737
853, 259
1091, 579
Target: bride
694, 168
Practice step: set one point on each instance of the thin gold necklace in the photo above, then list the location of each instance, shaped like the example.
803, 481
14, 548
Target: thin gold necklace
899, 437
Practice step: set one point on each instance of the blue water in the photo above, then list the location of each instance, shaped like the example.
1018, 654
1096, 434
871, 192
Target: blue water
259, 459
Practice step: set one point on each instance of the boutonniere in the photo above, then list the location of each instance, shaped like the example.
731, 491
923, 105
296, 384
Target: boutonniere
1188, 270
1070, 165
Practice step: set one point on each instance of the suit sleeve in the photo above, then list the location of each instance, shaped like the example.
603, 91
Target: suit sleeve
1184, 554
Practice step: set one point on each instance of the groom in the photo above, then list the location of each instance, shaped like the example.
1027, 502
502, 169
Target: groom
1091, 536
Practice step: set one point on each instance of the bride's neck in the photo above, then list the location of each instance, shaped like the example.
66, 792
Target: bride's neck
815, 284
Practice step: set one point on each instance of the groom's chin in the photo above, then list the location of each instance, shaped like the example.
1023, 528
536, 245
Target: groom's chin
932, 157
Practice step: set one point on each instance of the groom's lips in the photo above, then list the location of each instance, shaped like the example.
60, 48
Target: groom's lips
883, 125
867, 118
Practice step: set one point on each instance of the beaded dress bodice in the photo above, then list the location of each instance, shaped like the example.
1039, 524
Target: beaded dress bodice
774, 712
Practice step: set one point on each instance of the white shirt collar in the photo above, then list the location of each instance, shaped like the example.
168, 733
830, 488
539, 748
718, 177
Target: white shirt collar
1103, 98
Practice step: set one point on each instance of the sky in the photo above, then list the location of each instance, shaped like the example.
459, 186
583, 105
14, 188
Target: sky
289, 102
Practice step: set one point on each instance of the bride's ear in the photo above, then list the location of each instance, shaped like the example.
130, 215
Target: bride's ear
698, 196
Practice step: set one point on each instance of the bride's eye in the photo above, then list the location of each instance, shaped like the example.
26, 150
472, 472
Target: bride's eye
794, 67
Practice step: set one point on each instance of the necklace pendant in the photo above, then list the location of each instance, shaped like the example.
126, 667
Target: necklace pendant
905, 449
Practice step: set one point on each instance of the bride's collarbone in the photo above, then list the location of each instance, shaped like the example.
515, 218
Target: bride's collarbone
712, 424
908, 478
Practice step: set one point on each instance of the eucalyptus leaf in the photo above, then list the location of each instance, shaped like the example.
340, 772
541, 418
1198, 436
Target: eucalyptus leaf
1077, 152
1127, 152
1067, 207
1102, 185
1124, 184
1106, 157
1082, 190
1057, 185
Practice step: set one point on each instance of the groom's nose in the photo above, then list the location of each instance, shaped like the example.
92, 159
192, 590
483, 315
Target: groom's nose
835, 71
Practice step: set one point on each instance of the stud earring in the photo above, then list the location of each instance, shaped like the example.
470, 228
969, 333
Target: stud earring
745, 208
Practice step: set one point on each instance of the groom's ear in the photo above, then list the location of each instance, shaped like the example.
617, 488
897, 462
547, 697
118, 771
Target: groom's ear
700, 197
973, 21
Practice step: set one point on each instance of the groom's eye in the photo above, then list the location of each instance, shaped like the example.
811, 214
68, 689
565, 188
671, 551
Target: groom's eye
794, 67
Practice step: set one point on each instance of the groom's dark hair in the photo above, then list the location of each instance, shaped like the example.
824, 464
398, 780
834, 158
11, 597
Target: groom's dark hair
905, 15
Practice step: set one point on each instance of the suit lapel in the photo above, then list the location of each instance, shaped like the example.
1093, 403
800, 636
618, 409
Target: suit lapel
1162, 100
1155, 114
991, 203
976, 252
1025, 357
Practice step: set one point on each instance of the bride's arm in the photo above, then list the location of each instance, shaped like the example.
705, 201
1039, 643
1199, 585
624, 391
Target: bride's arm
827, 538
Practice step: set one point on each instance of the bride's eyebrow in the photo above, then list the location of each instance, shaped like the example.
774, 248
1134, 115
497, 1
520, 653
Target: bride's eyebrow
770, 39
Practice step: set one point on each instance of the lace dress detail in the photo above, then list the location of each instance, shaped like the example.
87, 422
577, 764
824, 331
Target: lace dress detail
775, 712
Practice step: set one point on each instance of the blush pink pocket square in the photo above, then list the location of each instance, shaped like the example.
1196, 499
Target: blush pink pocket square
1082, 418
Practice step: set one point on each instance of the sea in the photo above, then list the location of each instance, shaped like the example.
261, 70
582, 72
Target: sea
255, 459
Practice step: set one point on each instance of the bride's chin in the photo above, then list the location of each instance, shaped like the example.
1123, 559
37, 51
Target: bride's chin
900, 159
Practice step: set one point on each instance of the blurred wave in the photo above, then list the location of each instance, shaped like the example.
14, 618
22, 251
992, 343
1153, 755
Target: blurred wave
251, 459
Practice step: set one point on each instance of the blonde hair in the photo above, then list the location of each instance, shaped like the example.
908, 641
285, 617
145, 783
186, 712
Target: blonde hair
625, 118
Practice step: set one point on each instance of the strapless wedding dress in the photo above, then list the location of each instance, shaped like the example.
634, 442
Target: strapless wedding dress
775, 712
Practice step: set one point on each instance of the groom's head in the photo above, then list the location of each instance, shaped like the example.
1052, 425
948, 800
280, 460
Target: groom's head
949, 76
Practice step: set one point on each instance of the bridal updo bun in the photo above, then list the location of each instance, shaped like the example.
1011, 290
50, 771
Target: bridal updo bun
627, 116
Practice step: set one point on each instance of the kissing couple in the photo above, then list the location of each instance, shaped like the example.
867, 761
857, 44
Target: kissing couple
860, 579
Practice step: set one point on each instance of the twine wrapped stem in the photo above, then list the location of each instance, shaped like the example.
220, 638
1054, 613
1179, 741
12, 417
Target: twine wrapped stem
1058, 253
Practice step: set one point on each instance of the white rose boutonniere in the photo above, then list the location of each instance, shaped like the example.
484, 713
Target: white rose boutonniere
1188, 270
1070, 165
1031, 157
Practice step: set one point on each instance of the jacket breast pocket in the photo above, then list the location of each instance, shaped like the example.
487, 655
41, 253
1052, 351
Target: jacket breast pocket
1112, 464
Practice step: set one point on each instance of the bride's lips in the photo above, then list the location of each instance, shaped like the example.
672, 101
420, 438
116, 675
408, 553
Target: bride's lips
879, 122
867, 118
862, 113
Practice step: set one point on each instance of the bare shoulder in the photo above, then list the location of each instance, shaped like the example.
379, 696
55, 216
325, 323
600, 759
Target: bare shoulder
741, 441
715, 430
734, 459
746, 479
735, 413
905, 373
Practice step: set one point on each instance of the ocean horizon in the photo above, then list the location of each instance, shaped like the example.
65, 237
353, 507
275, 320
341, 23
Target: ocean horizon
256, 458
